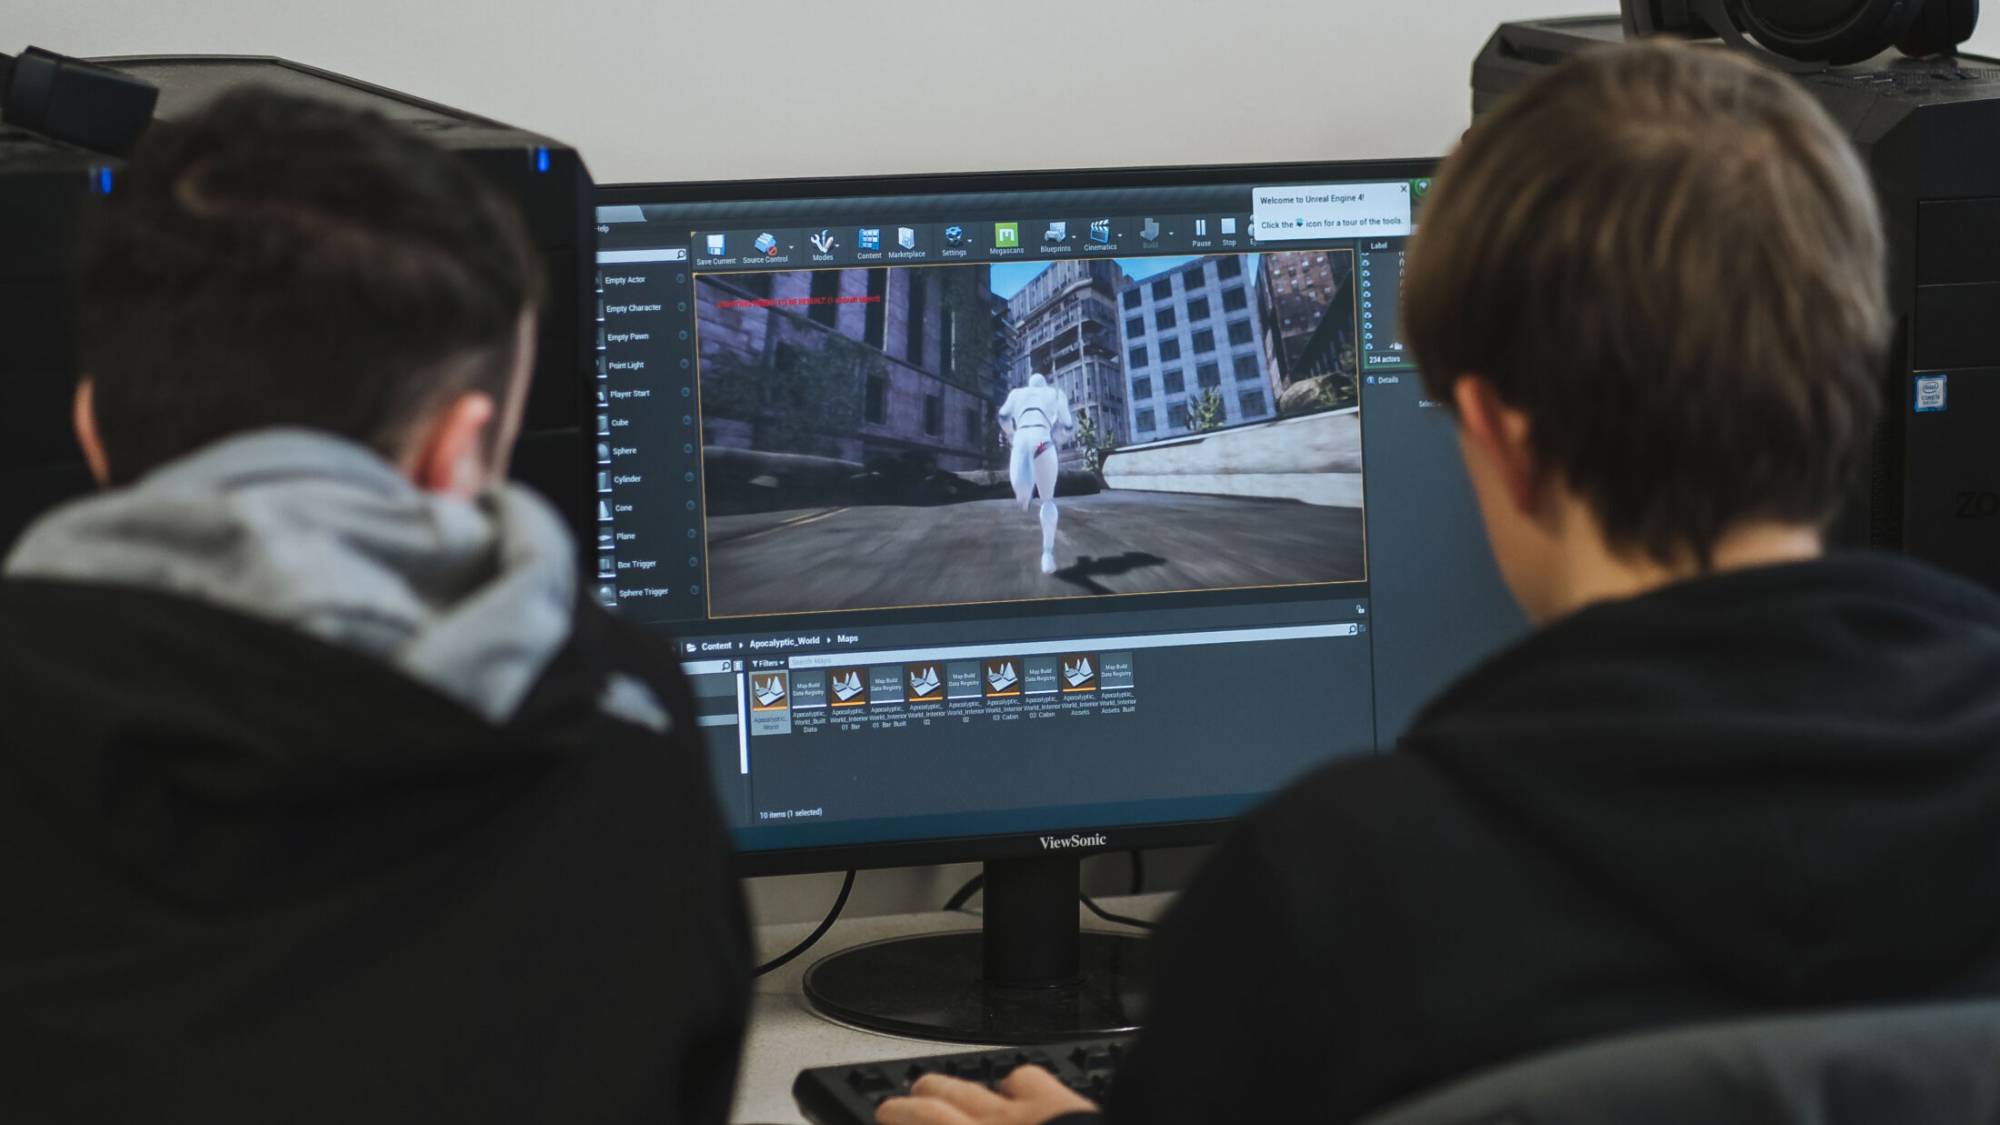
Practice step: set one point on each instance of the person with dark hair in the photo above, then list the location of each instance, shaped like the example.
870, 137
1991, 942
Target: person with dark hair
1730, 774
326, 792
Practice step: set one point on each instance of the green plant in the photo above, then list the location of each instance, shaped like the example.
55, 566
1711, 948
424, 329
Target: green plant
1095, 442
1206, 411
1334, 392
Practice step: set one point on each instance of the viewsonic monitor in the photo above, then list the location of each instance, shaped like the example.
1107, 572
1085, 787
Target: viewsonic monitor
1023, 516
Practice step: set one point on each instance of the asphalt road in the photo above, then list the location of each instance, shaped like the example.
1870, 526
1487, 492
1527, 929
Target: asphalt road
989, 550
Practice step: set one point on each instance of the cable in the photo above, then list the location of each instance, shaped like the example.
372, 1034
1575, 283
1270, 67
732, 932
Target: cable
964, 894
972, 886
1090, 904
785, 958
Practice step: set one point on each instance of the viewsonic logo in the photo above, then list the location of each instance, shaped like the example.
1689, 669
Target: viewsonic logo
1061, 843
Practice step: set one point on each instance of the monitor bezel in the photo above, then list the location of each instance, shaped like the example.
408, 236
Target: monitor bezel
811, 859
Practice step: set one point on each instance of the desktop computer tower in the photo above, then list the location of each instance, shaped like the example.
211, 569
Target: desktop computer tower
1927, 131
48, 188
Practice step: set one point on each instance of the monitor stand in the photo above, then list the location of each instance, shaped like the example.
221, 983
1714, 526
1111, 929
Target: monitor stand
1030, 975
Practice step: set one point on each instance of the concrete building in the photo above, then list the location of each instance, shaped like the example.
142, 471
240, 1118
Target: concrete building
857, 364
1066, 327
1006, 355
1305, 299
1186, 331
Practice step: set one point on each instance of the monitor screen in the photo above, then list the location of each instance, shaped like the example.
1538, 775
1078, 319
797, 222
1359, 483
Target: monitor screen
1029, 511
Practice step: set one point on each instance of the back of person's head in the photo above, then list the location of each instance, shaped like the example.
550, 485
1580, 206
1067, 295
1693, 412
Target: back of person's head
278, 261
1668, 259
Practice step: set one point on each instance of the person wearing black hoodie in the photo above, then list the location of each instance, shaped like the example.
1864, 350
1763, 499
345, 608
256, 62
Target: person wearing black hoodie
1729, 775
326, 793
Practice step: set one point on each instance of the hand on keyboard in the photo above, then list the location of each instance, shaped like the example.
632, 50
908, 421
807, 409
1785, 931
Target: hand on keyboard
1027, 1096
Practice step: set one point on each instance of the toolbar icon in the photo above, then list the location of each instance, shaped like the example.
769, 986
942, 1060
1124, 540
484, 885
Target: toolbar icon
1100, 231
1228, 224
1150, 230
1057, 232
767, 244
906, 238
1201, 228
871, 238
717, 245
1006, 236
824, 242
954, 235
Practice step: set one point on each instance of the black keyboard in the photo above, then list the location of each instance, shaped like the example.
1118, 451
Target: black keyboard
848, 1095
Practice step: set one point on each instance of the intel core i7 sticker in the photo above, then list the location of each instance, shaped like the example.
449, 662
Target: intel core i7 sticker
1930, 394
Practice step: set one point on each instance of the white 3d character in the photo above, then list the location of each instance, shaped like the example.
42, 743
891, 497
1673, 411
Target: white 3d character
1033, 415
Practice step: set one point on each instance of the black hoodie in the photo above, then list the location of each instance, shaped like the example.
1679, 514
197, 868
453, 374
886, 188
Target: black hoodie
323, 800
227, 900
1762, 791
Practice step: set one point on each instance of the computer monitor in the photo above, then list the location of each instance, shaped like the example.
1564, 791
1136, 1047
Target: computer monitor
1022, 516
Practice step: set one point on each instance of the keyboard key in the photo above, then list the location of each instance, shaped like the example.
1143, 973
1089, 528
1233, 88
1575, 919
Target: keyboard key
870, 1081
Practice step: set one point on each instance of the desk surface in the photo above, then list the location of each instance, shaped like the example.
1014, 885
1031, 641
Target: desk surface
786, 1036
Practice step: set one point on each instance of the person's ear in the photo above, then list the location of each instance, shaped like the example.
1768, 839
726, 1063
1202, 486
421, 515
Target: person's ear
83, 418
449, 454
1500, 434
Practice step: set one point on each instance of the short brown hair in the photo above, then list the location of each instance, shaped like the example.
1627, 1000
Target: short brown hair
1669, 258
278, 261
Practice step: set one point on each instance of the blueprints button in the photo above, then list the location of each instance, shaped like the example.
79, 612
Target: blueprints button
1042, 675
1114, 671
961, 680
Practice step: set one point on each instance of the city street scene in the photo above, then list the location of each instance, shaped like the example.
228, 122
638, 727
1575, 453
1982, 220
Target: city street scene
854, 454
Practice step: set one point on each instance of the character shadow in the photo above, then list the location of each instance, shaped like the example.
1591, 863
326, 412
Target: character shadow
1086, 570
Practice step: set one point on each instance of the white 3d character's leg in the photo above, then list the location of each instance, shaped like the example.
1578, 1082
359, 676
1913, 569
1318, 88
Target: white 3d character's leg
1022, 469
1045, 482
1049, 518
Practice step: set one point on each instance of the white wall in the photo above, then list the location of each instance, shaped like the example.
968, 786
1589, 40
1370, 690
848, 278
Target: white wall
674, 89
